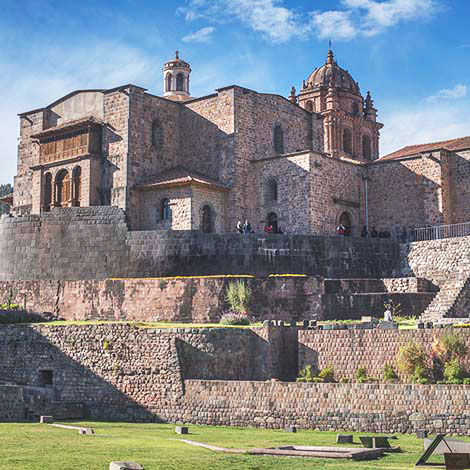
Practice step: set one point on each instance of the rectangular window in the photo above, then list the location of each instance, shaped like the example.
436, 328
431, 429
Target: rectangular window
45, 377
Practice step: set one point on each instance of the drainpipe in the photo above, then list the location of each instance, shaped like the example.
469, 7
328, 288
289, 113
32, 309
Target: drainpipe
366, 196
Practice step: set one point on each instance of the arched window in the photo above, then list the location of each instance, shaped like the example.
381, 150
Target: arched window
347, 141
166, 209
345, 220
355, 109
207, 219
76, 186
47, 192
168, 80
278, 139
366, 147
309, 106
157, 134
271, 190
62, 189
272, 221
180, 82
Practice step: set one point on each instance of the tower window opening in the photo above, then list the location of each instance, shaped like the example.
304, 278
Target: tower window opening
278, 139
347, 141
180, 82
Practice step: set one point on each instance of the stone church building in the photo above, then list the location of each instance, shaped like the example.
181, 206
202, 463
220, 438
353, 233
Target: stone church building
176, 162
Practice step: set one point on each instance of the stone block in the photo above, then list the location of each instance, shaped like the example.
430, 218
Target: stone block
46, 419
388, 325
291, 429
422, 434
344, 438
181, 430
457, 461
125, 466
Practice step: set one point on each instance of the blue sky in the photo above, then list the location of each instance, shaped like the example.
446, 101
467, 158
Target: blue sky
414, 55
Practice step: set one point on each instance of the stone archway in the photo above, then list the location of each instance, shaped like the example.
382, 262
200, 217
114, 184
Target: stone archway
345, 219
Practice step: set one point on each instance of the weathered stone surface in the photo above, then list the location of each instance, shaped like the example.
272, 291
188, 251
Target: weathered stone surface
125, 466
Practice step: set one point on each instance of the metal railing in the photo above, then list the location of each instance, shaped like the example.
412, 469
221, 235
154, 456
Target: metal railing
440, 231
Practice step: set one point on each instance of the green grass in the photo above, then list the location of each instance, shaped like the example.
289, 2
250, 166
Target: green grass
38, 446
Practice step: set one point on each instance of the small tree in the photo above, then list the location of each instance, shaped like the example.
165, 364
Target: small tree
238, 296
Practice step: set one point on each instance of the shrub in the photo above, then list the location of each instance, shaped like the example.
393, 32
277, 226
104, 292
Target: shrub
317, 380
306, 375
238, 296
420, 375
327, 374
453, 371
361, 375
453, 346
389, 373
410, 357
344, 380
234, 319
466, 381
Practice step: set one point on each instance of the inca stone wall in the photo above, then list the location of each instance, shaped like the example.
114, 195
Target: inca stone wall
198, 300
219, 377
385, 408
123, 372
347, 350
94, 243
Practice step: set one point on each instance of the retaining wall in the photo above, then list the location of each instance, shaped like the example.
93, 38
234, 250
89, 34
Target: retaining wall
94, 243
137, 374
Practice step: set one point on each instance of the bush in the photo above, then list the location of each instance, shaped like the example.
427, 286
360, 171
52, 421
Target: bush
327, 374
238, 296
317, 380
420, 375
361, 375
453, 371
306, 375
466, 381
234, 319
453, 346
389, 373
411, 357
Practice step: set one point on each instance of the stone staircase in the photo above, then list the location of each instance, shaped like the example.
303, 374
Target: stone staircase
452, 301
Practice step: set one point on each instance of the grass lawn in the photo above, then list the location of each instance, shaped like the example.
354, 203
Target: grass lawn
39, 446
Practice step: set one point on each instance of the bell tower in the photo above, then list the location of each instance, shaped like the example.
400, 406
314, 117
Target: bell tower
176, 79
350, 122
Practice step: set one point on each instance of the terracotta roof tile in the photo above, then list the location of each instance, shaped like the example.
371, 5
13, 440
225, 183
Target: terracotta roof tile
178, 176
452, 145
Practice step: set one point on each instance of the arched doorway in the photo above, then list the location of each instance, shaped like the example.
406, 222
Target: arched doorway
62, 189
345, 220
206, 219
76, 186
309, 106
272, 221
47, 201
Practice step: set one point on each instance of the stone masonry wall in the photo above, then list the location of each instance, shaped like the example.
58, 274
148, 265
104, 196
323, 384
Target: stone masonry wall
95, 243
347, 350
124, 372
328, 407
128, 373
198, 300
437, 260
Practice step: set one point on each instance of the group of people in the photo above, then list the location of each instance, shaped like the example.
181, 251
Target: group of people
246, 228
374, 233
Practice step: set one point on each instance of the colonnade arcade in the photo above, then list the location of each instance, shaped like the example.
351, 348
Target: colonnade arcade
62, 189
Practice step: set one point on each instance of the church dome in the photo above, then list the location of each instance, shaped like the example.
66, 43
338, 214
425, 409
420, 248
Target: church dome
176, 63
323, 76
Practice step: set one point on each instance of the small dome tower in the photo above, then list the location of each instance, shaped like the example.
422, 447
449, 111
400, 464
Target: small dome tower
176, 79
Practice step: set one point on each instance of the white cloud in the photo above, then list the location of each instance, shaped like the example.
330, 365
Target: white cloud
334, 24
268, 17
423, 123
459, 91
203, 35
280, 24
